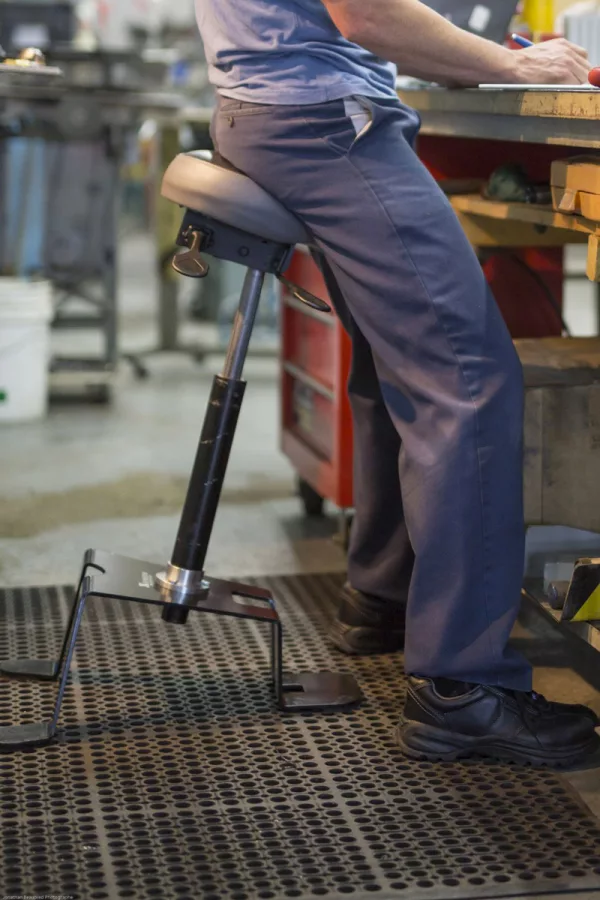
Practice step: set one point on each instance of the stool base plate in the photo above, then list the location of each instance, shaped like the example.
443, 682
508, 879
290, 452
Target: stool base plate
319, 691
21, 736
112, 577
40, 669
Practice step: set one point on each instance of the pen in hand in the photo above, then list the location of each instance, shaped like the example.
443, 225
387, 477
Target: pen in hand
593, 77
521, 41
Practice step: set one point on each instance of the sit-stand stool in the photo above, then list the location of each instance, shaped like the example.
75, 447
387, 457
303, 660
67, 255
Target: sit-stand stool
229, 217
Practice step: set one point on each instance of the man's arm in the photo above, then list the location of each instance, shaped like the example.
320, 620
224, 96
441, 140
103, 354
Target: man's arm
426, 45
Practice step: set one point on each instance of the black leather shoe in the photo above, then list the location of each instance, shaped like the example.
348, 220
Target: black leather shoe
367, 625
478, 720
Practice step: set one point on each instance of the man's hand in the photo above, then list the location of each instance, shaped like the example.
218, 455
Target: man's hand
424, 44
552, 62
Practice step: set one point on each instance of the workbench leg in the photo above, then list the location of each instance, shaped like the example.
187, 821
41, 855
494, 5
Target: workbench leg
111, 262
168, 220
593, 258
593, 272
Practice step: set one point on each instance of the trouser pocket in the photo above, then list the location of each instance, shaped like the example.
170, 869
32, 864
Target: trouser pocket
360, 113
341, 124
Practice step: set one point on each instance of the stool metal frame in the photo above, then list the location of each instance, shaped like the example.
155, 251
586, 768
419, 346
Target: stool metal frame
182, 587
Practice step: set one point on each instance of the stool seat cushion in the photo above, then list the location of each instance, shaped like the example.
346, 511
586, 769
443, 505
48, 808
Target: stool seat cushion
224, 194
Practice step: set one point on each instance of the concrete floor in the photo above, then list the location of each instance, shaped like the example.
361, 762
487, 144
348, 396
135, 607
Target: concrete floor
114, 478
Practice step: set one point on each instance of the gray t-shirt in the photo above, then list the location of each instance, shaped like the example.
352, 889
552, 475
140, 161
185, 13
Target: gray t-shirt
286, 52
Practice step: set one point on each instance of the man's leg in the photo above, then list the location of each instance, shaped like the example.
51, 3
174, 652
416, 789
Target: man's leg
452, 383
380, 559
372, 613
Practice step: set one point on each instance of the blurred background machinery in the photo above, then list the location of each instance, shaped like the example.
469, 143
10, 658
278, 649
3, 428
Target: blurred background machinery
79, 164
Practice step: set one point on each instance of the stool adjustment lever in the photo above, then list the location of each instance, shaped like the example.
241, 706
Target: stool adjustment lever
189, 262
304, 296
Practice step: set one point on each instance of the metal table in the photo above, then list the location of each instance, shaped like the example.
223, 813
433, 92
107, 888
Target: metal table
11, 74
45, 105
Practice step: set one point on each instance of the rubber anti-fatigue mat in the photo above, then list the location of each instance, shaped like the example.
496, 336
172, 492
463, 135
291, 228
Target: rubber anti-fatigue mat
175, 777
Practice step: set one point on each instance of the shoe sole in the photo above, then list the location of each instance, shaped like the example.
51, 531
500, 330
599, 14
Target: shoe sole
354, 640
426, 742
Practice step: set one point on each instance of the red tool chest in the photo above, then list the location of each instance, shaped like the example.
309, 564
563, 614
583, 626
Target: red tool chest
316, 419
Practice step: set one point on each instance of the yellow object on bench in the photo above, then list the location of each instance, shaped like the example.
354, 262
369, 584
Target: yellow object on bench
590, 611
576, 186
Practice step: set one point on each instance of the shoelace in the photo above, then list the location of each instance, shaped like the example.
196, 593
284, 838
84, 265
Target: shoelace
532, 703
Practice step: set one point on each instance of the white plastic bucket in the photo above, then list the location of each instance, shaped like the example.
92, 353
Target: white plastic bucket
25, 314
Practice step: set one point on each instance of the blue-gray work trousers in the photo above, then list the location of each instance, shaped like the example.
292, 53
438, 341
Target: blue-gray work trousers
436, 385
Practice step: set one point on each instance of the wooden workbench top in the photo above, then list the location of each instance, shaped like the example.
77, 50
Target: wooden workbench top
555, 104
563, 118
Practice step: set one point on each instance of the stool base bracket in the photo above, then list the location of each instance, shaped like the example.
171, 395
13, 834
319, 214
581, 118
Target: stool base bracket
113, 577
